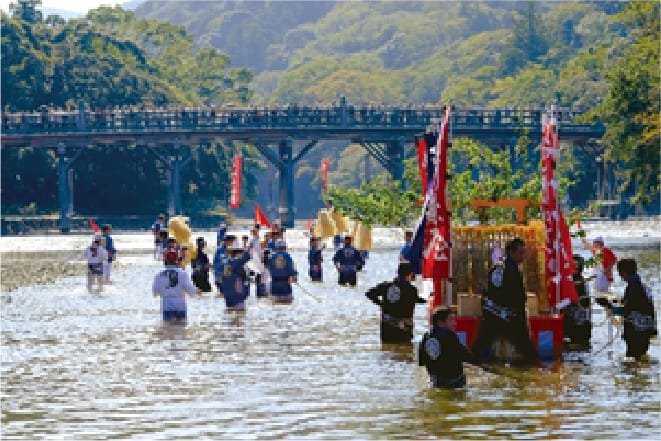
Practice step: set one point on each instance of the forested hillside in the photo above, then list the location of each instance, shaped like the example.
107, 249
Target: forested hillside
469, 53
465, 53
598, 55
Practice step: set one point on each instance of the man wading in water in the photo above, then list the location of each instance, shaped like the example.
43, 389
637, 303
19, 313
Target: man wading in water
397, 300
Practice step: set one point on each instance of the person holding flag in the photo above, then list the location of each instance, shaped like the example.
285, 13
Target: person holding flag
430, 249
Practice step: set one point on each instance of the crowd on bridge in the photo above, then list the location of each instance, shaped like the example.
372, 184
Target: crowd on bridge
126, 118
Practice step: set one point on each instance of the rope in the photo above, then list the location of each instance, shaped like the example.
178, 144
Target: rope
610, 342
307, 292
616, 335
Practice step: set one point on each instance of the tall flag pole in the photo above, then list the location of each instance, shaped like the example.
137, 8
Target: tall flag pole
235, 186
437, 257
556, 218
422, 149
324, 177
260, 217
559, 263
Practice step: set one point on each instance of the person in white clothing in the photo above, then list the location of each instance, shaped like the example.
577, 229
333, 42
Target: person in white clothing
256, 264
172, 284
96, 257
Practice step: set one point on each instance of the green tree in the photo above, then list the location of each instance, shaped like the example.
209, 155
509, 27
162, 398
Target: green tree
26, 10
382, 201
631, 108
527, 42
477, 172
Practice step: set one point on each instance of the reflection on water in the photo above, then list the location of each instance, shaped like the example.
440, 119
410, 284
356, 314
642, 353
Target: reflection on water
80, 366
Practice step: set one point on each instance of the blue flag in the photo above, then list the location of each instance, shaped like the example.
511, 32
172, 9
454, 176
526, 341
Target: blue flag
414, 253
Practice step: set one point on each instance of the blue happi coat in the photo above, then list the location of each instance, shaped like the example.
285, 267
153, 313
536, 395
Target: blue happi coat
232, 280
282, 268
349, 260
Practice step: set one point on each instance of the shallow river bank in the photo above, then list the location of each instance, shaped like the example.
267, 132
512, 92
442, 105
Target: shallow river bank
77, 366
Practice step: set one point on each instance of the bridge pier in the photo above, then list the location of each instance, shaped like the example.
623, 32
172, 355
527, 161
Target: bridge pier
286, 208
391, 157
395, 155
285, 162
173, 163
65, 184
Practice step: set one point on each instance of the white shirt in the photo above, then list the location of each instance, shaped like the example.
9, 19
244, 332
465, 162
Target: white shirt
256, 255
95, 254
172, 284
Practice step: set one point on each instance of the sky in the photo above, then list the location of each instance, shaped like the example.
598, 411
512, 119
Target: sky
79, 6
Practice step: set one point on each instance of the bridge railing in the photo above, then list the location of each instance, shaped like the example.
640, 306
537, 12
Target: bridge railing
130, 119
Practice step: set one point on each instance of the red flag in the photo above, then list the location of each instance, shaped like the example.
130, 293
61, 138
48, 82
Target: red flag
559, 261
324, 175
95, 228
436, 253
260, 217
308, 225
235, 188
421, 146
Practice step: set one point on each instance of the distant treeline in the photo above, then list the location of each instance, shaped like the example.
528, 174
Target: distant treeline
603, 56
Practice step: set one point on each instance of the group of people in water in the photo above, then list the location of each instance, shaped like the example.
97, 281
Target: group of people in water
504, 313
266, 263
239, 263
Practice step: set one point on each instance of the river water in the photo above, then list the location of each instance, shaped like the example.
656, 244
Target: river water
77, 366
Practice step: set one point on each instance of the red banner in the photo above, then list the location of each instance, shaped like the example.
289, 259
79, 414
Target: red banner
93, 225
421, 146
235, 187
559, 262
436, 253
260, 217
324, 175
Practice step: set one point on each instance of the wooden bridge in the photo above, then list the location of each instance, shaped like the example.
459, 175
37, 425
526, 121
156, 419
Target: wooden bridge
383, 131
